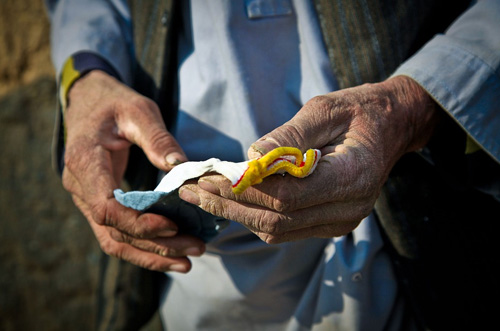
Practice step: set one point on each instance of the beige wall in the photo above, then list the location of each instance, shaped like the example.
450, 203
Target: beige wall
48, 256
24, 43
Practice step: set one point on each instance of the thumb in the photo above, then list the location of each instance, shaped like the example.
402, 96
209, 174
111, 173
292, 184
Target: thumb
162, 149
145, 127
299, 132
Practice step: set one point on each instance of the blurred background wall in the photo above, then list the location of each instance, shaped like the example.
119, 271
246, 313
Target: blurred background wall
48, 255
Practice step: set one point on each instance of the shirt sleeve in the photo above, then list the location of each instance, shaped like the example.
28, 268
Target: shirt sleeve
460, 69
102, 29
87, 35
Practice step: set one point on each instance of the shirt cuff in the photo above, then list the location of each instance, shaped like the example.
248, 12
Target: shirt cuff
464, 85
77, 66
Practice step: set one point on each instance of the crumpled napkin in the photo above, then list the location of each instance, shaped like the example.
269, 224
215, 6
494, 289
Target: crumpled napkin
191, 219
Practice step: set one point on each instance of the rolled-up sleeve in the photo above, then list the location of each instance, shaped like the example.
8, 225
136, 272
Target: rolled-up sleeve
102, 28
461, 70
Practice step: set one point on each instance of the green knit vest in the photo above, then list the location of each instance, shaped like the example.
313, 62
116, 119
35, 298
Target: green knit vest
366, 40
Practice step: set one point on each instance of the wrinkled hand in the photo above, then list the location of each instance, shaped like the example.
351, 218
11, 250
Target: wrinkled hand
361, 132
103, 119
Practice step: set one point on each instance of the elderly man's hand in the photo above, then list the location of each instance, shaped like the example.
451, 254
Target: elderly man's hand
361, 131
103, 118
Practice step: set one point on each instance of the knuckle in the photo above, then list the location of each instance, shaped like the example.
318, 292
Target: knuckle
271, 225
167, 251
281, 205
338, 230
364, 210
284, 200
322, 104
109, 248
214, 207
144, 227
350, 226
141, 103
119, 236
163, 251
158, 138
321, 101
99, 214
268, 239
286, 196
271, 239
67, 182
71, 159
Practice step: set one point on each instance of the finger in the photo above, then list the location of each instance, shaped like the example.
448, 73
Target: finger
319, 231
349, 181
110, 213
137, 256
340, 217
130, 253
176, 246
141, 123
70, 183
95, 190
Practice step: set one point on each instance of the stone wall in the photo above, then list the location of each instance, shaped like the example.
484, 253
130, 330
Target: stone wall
48, 255
24, 43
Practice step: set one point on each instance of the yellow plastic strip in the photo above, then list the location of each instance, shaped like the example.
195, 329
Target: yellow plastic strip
471, 146
279, 159
68, 76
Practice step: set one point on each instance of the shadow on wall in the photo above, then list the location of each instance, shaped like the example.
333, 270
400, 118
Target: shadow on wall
48, 255
24, 43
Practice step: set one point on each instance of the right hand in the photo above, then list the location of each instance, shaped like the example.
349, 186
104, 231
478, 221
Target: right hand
362, 131
103, 119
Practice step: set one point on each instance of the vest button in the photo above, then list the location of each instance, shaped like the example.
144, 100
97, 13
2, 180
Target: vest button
164, 18
357, 277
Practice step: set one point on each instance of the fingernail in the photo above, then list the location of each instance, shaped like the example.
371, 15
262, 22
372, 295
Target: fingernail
178, 268
189, 196
261, 147
209, 186
193, 251
175, 158
167, 233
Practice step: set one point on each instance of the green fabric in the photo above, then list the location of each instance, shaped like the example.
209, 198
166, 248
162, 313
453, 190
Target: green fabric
367, 40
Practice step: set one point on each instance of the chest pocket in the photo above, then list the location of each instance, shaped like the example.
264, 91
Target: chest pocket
267, 8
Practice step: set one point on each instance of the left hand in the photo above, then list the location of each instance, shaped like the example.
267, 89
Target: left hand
361, 131
103, 119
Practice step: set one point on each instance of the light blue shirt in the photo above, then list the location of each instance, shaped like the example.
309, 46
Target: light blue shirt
247, 69
461, 71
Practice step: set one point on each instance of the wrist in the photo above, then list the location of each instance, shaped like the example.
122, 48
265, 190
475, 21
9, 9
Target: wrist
417, 111
76, 67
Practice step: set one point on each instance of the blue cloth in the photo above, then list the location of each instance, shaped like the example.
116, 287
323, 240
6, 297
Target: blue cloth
189, 218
